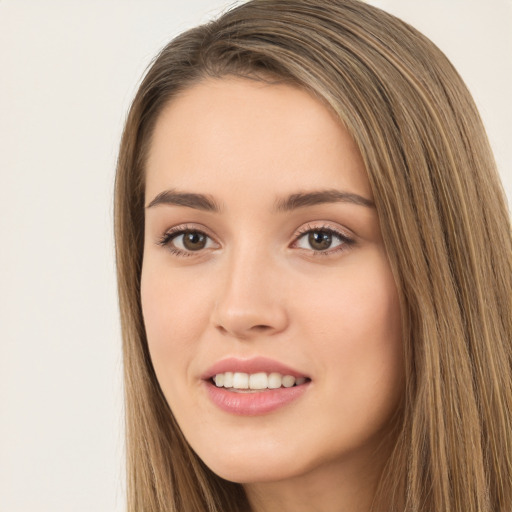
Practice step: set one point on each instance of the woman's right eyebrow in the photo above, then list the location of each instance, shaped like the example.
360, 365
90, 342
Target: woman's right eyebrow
189, 199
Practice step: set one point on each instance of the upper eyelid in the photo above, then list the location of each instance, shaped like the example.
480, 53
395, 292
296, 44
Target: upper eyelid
183, 228
179, 230
346, 240
323, 227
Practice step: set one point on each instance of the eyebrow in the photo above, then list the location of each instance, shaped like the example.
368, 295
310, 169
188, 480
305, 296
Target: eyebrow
304, 199
292, 202
189, 199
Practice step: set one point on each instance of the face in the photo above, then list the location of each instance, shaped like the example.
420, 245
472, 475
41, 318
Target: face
271, 313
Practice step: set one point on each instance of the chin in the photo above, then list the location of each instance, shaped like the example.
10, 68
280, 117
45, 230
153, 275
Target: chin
252, 463
244, 473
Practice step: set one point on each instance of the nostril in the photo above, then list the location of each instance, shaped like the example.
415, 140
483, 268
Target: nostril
261, 327
245, 334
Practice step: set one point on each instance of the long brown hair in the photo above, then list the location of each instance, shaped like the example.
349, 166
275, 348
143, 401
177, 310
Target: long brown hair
445, 225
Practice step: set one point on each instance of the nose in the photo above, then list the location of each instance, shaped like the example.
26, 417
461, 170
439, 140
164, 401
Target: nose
250, 302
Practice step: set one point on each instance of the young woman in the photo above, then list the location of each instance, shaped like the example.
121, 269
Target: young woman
314, 264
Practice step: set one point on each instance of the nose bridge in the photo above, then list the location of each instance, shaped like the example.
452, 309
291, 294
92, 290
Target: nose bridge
249, 301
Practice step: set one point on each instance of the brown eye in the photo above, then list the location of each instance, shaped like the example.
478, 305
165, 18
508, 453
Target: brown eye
325, 241
194, 240
320, 240
185, 242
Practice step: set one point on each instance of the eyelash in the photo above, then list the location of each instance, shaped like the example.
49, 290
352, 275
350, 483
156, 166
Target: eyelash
171, 234
345, 241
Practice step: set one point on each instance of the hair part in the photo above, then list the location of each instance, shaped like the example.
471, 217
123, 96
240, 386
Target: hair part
445, 225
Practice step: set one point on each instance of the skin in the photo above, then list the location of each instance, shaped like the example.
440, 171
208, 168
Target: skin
260, 288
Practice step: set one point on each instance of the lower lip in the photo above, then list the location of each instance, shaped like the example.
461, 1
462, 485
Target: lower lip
252, 404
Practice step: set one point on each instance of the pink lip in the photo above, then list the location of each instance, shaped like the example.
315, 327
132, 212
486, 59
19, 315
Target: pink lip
253, 365
252, 403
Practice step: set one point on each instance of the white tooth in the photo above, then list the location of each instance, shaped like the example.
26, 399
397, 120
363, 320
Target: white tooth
219, 380
228, 380
258, 381
241, 380
288, 381
300, 381
274, 381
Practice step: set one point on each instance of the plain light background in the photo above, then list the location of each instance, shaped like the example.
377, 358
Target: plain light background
68, 70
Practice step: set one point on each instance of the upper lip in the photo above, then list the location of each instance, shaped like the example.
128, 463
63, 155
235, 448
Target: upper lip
253, 365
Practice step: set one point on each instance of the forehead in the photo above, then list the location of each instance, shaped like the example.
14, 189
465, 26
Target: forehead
235, 134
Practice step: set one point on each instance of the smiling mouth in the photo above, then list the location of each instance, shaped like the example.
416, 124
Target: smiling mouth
239, 382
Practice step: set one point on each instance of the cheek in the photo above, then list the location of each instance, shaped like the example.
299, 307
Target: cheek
359, 304
174, 318
356, 326
175, 314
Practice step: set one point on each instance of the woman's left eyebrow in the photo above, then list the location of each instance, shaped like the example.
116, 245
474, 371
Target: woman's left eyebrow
304, 199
